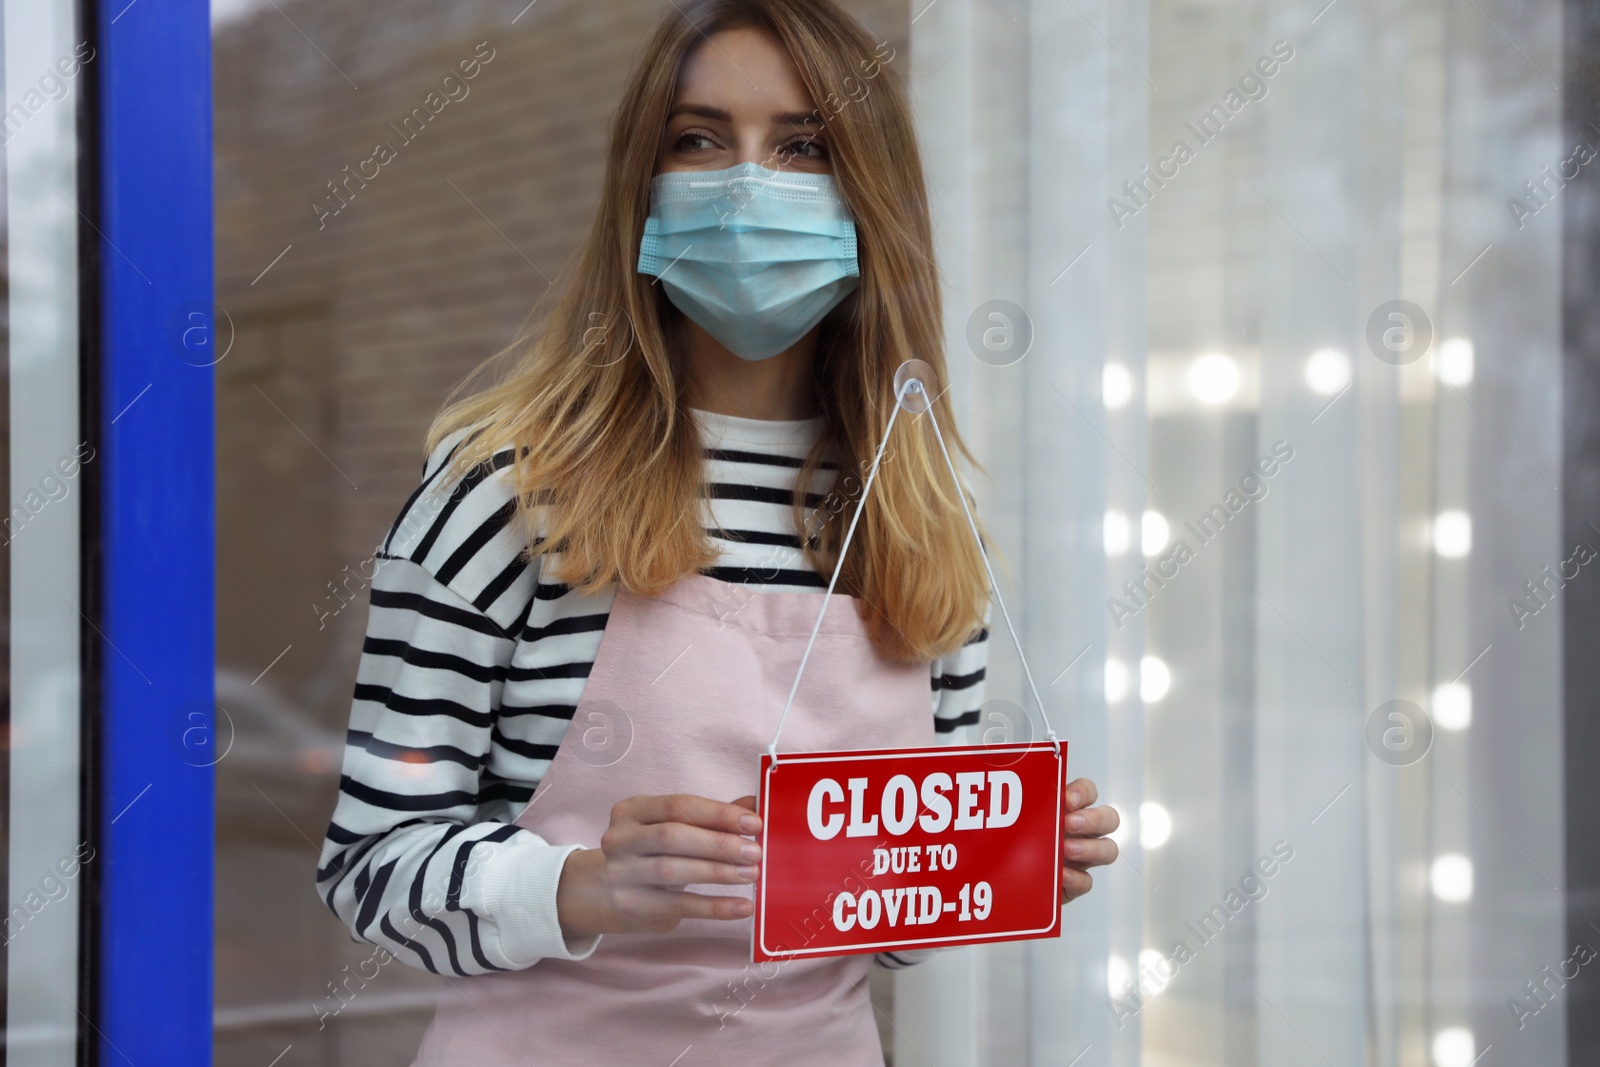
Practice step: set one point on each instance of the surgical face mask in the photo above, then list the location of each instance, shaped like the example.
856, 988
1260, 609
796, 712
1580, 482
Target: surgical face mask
757, 257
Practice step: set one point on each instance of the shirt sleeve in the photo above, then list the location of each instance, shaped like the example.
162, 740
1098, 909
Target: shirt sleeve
422, 855
958, 684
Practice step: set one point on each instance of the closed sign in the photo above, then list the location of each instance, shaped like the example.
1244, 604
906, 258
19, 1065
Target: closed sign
914, 848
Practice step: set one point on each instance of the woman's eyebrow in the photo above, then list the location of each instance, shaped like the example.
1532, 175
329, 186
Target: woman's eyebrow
703, 110
794, 118
716, 114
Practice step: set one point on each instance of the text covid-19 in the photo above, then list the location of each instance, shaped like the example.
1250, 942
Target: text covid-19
971, 800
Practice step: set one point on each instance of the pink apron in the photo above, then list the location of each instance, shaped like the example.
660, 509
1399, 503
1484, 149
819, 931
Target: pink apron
700, 674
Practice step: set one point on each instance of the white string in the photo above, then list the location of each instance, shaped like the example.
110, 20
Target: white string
838, 568
911, 385
1049, 730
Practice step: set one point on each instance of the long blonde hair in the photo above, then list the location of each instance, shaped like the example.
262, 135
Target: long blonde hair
609, 467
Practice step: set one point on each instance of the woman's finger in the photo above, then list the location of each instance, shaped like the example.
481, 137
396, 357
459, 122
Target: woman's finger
1093, 822
678, 839
1090, 851
646, 908
1074, 883
675, 871
653, 908
1081, 794
703, 812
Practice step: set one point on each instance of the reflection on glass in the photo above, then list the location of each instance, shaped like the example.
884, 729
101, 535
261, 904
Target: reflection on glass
46, 858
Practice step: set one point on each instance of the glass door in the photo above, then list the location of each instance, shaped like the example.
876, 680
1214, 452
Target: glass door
47, 859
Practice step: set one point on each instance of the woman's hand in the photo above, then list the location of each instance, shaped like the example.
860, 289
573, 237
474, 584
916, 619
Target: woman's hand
654, 847
1084, 840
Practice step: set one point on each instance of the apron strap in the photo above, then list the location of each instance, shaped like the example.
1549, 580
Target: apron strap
911, 391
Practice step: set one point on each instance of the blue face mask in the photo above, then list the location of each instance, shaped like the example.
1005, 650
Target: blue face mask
757, 257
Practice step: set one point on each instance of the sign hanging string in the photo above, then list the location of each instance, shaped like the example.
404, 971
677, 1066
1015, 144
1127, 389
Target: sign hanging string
912, 386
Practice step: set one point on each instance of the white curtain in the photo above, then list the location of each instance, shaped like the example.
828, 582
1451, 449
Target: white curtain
1362, 500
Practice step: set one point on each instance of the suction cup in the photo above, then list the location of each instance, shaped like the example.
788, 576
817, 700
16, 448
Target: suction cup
919, 397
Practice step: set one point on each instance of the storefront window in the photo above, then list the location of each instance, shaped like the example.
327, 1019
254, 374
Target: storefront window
1255, 319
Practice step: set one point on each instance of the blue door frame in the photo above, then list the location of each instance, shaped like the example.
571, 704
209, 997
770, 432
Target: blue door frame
155, 421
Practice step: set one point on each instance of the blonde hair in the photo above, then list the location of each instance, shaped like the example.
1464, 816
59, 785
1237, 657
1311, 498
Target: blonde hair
609, 468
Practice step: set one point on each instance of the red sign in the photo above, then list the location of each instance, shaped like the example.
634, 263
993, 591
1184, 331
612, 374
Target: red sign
913, 848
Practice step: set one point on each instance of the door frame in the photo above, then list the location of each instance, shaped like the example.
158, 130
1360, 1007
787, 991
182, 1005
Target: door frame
151, 398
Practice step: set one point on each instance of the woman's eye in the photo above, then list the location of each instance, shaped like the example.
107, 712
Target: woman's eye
804, 148
692, 142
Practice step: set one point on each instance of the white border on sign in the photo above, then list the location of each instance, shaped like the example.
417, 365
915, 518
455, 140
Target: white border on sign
759, 932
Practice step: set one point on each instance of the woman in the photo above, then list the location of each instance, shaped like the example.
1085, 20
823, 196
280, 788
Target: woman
598, 597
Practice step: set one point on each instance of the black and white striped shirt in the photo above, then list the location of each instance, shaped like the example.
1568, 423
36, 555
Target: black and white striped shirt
471, 669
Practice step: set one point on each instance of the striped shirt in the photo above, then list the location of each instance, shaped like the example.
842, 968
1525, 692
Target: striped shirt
471, 669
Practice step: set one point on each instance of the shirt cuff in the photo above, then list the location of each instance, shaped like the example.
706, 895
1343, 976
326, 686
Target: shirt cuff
899, 961
517, 886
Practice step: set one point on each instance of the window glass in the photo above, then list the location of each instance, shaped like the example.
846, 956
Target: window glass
357, 305
1253, 314
46, 859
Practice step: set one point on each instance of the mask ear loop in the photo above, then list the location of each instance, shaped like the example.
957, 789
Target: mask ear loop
911, 387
